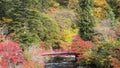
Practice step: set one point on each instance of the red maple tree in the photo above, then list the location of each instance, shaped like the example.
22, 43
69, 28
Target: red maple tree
79, 46
10, 53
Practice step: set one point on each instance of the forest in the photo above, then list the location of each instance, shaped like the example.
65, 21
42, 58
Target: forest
29, 28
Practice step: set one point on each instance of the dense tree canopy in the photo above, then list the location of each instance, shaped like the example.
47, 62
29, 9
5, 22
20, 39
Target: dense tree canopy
28, 23
90, 28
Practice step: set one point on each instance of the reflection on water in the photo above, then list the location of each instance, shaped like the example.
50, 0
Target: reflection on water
60, 61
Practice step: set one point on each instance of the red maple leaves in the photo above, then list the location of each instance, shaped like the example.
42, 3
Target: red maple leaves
10, 53
79, 46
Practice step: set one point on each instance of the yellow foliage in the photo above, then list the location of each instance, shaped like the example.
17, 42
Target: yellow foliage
68, 34
100, 3
28, 55
67, 38
100, 8
6, 20
98, 12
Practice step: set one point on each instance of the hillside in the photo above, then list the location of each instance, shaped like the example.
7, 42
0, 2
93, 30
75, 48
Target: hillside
89, 29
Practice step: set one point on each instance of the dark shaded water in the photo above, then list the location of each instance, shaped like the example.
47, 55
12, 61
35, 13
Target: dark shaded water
60, 65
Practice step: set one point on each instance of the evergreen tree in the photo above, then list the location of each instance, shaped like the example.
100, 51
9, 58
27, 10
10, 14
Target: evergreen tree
8, 6
29, 24
86, 19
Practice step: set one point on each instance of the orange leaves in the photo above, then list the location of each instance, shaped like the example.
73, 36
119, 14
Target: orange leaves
52, 9
65, 46
115, 63
29, 64
78, 45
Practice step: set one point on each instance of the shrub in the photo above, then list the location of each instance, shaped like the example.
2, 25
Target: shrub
11, 54
97, 57
115, 57
80, 46
67, 34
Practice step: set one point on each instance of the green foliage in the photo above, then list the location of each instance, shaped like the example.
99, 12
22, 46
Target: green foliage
110, 12
117, 10
111, 15
31, 4
7, 7
98, 55
28, 55
54, 4
87, 21
44, 4
34, 27
112, 3
29, 24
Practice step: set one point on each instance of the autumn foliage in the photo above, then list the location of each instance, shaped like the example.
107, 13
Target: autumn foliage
10, 54
115, 57
79, 46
